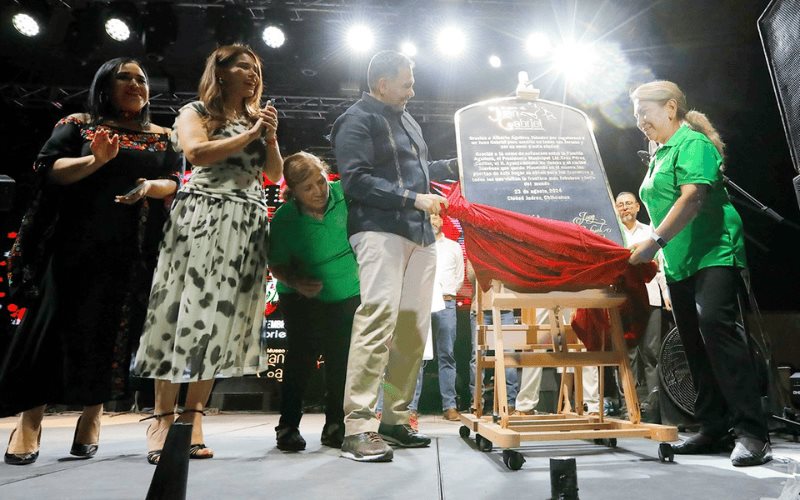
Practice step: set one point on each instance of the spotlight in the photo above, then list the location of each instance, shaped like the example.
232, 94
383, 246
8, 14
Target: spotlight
408, 49
273, 37
538, 45
234, 25
451, 41
117, 29
25, 24
120, 20
575, 60
495, 61
360, 38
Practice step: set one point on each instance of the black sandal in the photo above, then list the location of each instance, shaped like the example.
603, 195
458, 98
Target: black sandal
153, 456
195, 449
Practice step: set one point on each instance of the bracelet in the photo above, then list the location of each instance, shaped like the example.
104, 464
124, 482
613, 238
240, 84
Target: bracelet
658, 239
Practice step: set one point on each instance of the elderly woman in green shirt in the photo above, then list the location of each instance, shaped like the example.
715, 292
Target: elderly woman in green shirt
702, 240
319, 293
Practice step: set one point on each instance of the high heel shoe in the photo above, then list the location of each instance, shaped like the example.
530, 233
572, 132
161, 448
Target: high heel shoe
153, 456
22, 458
82, 450
195, 449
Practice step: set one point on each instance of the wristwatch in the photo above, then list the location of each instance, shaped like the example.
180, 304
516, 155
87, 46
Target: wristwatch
658, 239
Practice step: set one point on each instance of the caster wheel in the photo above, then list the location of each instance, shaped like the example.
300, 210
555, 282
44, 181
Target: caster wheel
513, 459
611, 443
599, 441
665, 453
463, 431
484, 445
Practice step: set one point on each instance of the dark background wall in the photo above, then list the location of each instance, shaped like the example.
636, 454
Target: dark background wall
711, 49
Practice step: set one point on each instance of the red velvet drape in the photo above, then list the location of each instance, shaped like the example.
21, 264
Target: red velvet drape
531, 254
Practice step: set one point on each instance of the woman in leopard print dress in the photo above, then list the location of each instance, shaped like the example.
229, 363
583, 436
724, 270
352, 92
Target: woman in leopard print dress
203, 320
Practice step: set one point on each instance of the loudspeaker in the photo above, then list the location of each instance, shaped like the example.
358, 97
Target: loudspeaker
780, 36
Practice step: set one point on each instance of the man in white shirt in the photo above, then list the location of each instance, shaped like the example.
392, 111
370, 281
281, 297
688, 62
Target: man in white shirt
450, 277
644, 357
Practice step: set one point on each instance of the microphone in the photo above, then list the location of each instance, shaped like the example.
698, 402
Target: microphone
644, 156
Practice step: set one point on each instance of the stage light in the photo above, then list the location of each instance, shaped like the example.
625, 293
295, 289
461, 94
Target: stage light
408, 49
360, 38
25, 24
538, 45
575, 60
117, 29
451, 41
273, 37
495, 61
121, 20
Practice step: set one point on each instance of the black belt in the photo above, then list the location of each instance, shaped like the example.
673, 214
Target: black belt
449, 297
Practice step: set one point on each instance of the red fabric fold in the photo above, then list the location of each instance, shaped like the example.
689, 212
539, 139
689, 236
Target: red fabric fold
531, 254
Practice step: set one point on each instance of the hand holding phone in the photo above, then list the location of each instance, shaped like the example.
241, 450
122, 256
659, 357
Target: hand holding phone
135, 190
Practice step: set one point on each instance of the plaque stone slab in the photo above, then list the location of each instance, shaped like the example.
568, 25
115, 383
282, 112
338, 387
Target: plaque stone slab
538, 158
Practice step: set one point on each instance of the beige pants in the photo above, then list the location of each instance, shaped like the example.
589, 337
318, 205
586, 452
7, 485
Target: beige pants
389, 328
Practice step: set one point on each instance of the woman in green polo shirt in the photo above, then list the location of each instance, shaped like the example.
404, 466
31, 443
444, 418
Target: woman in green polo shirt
700, 234
319, 293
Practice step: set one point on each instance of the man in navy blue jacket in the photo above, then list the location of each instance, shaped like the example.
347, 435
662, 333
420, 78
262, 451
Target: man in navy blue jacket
383, 162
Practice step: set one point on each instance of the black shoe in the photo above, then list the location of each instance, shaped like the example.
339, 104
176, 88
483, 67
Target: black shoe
22, 458
702, 444
289, 439
332, 435
750, 451
82, 450
403, 435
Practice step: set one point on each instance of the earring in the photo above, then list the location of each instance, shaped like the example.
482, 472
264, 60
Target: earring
220, 81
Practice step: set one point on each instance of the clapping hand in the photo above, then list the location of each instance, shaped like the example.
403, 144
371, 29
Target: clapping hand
104, 147
268, 115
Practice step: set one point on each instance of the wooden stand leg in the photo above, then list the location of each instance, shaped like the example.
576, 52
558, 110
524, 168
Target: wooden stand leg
500, 392
628, 384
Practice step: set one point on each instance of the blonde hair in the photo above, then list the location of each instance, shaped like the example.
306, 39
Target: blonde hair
661, 91
211, 91
299, 167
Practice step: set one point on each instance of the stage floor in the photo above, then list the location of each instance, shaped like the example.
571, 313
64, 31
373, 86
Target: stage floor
247, 465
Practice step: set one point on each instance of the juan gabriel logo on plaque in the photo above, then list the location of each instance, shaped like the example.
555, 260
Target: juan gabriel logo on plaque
511, 118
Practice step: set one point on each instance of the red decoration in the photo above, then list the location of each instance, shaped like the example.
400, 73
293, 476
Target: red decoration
530, 254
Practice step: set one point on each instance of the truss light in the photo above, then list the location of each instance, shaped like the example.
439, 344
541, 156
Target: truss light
451, 41
25, 24
117, 29
538, 45
495, 61
360, 38
273, 37
408, 49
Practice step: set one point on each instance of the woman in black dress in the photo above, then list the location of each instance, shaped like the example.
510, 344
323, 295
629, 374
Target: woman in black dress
84, 259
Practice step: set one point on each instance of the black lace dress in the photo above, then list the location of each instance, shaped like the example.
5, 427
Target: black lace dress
84, 265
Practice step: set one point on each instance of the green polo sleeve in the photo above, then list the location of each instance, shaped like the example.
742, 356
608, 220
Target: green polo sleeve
279, 251
697, 162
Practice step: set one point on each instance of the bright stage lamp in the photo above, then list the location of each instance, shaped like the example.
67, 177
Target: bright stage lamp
451, 41
360, 38
495, 61
25, 24
408, 49
117, 29
575, 60
273, 37
538, 45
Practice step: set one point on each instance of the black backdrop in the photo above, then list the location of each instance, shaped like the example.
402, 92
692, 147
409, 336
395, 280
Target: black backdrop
711, 49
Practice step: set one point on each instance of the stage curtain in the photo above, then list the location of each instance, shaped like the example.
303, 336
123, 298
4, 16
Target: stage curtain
531, 254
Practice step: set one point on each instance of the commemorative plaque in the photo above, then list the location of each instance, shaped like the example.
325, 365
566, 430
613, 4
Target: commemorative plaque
537, 158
